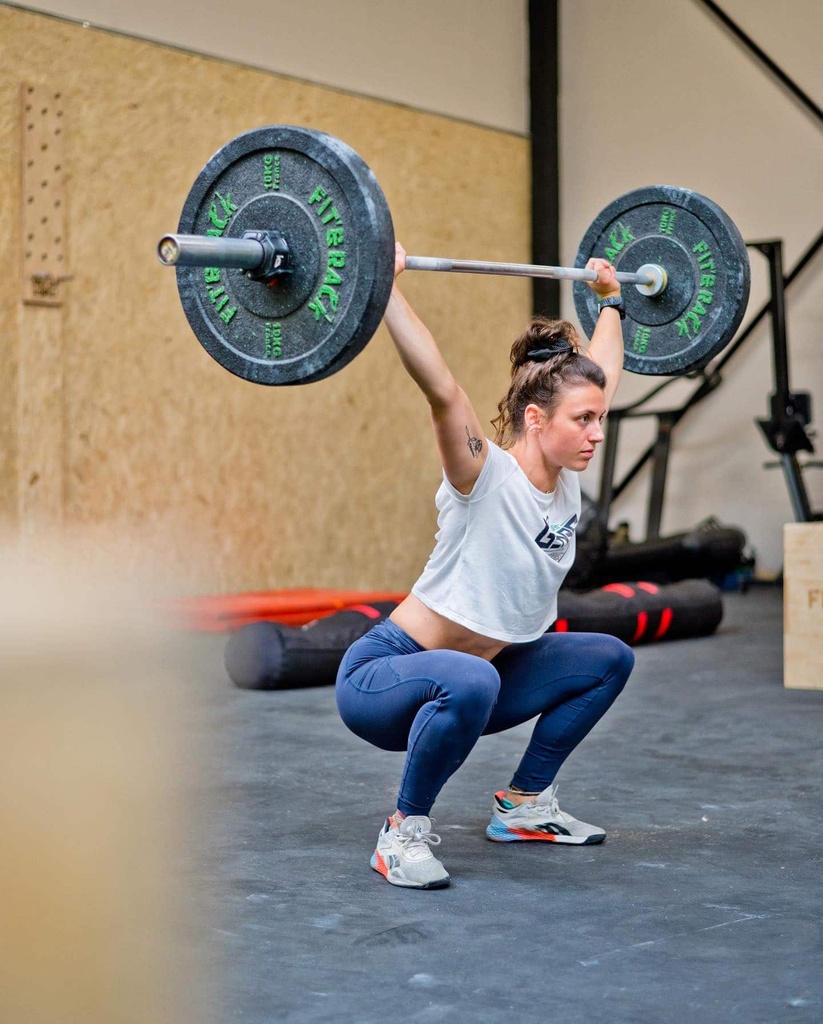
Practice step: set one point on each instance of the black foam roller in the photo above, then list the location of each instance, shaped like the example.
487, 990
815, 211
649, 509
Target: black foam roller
708, 551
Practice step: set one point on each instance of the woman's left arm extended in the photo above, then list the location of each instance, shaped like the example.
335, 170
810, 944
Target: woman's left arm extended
606, 345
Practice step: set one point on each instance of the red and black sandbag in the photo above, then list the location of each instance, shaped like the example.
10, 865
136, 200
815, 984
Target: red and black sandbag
268, 655
642, 612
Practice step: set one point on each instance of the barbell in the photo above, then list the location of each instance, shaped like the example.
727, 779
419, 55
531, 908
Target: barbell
285, 260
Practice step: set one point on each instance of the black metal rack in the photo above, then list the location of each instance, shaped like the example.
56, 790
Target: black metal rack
784, 430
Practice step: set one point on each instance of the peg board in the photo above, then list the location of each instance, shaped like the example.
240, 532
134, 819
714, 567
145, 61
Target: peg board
44, 215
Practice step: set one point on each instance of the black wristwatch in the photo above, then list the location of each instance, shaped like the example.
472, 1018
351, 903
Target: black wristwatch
616, 302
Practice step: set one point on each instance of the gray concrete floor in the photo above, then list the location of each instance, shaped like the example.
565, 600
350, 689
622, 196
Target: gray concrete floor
703, 903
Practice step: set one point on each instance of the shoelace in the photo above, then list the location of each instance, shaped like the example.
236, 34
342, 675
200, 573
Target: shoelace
551, 809
552, 806
416, 843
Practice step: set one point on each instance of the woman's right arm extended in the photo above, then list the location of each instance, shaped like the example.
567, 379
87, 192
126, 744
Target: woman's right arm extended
457, 429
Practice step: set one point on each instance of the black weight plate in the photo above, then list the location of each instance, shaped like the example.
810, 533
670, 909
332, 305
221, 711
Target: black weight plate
707, 265
320, 195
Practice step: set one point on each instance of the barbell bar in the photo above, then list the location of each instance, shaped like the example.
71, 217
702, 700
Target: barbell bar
248, 254
649, 279
284, 255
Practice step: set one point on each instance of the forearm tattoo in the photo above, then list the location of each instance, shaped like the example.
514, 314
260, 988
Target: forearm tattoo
475, 444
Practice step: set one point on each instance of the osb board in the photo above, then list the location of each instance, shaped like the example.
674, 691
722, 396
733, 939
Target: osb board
10, 246
230, 485
40, 425
803, 606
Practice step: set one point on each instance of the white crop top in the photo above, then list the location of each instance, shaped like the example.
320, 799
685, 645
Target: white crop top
502, 551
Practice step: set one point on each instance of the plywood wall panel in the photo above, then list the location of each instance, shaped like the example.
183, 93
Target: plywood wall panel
234, 486
465, 58
10, 243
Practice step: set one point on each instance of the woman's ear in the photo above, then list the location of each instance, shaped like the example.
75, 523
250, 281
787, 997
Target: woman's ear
533, 417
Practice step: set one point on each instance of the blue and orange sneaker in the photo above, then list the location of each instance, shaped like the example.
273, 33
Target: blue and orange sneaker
403, 856
540, 819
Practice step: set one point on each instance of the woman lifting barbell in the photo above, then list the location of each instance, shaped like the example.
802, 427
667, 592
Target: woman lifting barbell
467, 654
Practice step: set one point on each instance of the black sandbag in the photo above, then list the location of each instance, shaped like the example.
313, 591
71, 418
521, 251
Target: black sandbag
710, 551
642, 612
269, 656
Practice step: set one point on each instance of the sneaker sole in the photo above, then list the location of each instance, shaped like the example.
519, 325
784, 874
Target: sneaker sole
501, 834
378, 864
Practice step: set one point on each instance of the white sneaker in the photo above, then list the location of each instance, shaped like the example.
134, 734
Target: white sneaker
403, 856
539, 818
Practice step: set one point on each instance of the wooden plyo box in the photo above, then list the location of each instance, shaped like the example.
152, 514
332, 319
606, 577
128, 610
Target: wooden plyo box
803, 606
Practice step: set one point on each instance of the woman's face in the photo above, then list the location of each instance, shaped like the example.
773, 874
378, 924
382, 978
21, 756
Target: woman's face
569, 437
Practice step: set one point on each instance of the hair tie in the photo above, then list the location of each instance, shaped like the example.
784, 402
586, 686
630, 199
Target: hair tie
555, 348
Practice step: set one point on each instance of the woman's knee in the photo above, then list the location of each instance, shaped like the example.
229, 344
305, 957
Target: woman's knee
470, 685
619, 659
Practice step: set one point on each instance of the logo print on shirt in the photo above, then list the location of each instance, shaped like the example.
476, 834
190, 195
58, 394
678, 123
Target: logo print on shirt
555, 540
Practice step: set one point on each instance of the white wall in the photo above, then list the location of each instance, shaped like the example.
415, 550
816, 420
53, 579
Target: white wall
464, 58
656, 91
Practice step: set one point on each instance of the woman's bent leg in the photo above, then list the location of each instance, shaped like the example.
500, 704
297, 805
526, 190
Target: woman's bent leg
570, 680
433, 704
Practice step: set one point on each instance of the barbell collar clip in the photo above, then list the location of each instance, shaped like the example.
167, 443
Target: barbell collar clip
275, 255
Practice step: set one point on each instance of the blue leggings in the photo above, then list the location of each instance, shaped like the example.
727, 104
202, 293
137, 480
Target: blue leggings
436, 704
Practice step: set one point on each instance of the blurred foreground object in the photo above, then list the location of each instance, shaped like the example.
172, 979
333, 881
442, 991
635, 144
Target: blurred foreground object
96, 917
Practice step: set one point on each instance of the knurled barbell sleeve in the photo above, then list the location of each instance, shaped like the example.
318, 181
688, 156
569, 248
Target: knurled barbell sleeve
205, 251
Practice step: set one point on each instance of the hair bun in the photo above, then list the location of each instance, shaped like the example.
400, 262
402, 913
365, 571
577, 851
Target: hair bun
542, 340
